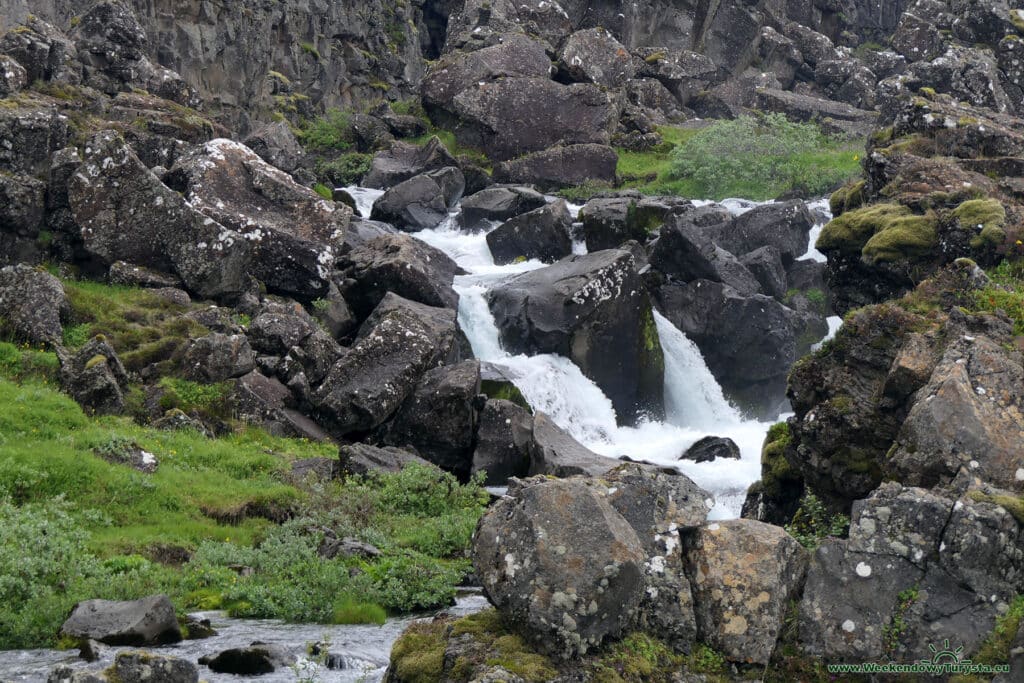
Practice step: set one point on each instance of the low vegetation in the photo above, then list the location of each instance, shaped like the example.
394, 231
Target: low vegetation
813, 522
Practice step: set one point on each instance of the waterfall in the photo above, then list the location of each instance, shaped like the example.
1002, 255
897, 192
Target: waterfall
695, 405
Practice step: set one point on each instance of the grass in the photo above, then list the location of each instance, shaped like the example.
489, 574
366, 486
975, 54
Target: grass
1006, 293
457, 149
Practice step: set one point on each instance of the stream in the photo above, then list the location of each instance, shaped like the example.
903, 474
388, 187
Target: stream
695, 408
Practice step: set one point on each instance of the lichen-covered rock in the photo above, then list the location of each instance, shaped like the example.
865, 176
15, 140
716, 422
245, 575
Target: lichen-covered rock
32, 133
398, 343
43, 51
363, 459
743, 574
404, 160
400, 264
146, 621
127, 214
595, 56
919, 567
145, 667
217, 357
278, 328
503, 440
12, 76
541, 234
439, 419
594, 310
561, 564
33, 304
554, 452
277, 145
295, 234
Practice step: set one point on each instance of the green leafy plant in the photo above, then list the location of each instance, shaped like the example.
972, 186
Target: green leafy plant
812, 522
332, 131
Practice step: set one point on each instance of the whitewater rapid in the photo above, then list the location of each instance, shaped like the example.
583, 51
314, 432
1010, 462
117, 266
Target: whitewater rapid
695, 405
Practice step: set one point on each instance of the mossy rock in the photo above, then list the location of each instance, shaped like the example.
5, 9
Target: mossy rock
849, 232
776, 472
985, 216
418, 655
847, 198
505, 390
909, 237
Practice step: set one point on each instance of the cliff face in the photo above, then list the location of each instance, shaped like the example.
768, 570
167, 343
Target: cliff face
252, 57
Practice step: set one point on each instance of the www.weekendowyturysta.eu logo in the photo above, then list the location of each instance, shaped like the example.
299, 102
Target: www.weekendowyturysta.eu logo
945, 660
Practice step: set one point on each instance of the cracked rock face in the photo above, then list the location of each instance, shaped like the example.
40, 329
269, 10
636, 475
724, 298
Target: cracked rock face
918, 567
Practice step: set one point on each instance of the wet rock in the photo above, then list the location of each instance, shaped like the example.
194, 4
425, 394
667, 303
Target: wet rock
295, 234
439, 419
541, 234
594, 56
560, 167
395, 346
594, 310
609, 222
710, 448
95, 377
685, 252
147, 621
405, 160
255, 660
277, 145
91, 651
127, 214
198, 628
400, 264
503, 442
743, 574
360, 458
145, 667
576, 589
217, 357
554, 452
765, 264
33, 304
783, 225
419, 203
65, 674
498, 203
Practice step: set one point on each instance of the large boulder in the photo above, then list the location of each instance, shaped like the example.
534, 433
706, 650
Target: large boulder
421, 202
127, 214
608, 222
217, 357
255, 660
13, 76
35, 133
498, 203
404, 160
400, 264
583, 583
554, 452
594, 310
560, 167
398, 343
295, 233
919, 567
685, 253
364, 459
146, 621
33, 304
277, 145
439, 419
784, 225
594, 56
541, 234
43, 51
743, 574
502, 117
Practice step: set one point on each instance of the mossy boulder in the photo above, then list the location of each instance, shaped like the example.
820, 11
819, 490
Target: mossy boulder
985, 218
906, 237
847, 198
849, 232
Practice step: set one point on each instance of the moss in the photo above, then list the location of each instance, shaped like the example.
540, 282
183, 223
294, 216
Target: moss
310, 49
1017, 17
656, 57
277, 75
848, 198
323, 191
987, 217
1012, 504
996, 648
908, 237
637, 657
95, 360
502, 389
642, 220
849, 232
841, 404
487, 621
927, 92
512, 653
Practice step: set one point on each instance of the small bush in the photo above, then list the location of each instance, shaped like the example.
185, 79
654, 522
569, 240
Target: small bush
332, 131
323, 191
763, 157
813, 523
347, 169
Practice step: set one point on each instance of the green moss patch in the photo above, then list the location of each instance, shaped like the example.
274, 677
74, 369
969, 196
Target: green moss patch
847, 198
904, 238
849, 232
987, 218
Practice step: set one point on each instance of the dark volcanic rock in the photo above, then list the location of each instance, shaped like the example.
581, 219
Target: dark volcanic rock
400, 264
498, 203
710, 448
439, 419
95, 377
404, 160
594, 310
503, 441
217, 357
33, 304
539, 234
560, 167
127, 214
257, 659
147, 621
418, 203
594, 56
360, 458
555, 452
277, 145
398, 343
609, 222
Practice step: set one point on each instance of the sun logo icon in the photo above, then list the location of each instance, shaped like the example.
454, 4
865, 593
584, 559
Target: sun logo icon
946, 655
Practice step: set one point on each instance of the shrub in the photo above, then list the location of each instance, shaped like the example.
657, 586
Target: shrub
763, 157
323, 191
813, 523
333, 130
348, 169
